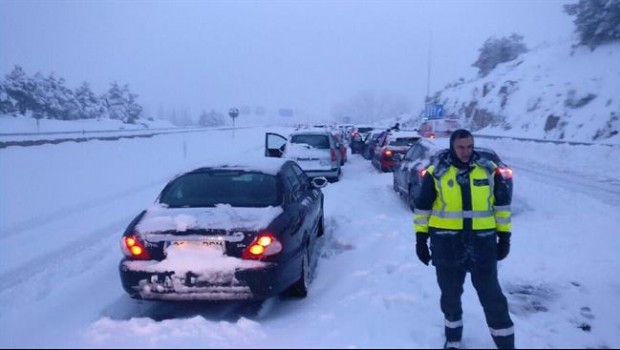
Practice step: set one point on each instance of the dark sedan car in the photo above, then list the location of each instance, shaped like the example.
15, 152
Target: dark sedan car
229, 232
409, 171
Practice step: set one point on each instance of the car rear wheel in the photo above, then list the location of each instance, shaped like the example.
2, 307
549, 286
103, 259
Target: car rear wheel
337, 177
410, 198
300, 288
321, 229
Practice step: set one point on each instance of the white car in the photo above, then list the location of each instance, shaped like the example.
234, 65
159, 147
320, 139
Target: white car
316, 152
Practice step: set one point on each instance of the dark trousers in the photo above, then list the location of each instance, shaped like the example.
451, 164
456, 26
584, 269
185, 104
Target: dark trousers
490, 294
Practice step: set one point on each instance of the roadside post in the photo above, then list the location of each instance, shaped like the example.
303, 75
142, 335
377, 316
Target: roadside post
233, 113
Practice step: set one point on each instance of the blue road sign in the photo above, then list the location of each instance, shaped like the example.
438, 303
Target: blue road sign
433, 111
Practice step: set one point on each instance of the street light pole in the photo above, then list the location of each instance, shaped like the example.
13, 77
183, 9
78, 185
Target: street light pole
428, 78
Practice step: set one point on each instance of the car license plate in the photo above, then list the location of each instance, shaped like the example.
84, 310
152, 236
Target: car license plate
217, 244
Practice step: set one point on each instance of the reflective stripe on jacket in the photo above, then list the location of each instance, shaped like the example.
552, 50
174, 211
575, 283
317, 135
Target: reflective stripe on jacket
447, 211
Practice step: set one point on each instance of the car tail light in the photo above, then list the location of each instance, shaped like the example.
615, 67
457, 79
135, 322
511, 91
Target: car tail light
505, 173
132, 247
265, 244
422, 172
431, 136
387, 153
334, 156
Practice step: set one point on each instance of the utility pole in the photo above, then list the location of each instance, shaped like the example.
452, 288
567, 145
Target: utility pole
428, 78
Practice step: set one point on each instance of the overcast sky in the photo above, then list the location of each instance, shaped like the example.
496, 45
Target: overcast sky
305, 55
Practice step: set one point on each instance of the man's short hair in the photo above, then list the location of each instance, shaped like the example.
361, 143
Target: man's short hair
460, 134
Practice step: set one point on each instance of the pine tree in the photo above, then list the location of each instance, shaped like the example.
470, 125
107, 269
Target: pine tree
133, 109
597, 21
114, 102
7, 104
20, 89
495, 51
89, 104
121, 104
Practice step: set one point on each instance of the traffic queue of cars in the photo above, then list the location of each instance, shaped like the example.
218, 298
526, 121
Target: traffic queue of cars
250, 229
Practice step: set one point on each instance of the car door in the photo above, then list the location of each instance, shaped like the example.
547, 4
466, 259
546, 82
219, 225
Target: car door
296, 201
311, 206
401, 171
299, 204
275, 145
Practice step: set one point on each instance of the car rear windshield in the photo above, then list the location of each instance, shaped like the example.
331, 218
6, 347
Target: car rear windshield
316, 141
404, 141
237, 188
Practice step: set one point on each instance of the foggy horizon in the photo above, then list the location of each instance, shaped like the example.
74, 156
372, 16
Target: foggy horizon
308, 56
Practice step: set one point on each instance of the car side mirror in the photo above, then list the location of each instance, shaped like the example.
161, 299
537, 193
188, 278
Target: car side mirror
318, 182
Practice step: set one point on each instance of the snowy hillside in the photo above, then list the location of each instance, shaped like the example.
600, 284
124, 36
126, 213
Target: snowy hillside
556, 92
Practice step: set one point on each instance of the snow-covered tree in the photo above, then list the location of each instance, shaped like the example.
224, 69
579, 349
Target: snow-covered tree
121, 104
114, 102
495, 51
7, 104
597, 21
134, 110
90, 105
57, 100
20, 88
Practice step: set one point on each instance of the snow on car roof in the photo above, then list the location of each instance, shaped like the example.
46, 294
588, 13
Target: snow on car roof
311, 132
266, 165
403, 134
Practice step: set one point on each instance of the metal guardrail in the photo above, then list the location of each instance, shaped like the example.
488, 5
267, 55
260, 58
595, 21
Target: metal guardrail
137, 133
82, 132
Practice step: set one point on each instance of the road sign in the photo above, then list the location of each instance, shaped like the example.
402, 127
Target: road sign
233, 112
433, 110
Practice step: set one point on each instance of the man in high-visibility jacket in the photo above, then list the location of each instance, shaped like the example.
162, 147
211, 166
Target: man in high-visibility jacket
463, 205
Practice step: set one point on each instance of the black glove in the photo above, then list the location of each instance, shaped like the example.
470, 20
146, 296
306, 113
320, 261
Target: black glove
503, 245
421, 248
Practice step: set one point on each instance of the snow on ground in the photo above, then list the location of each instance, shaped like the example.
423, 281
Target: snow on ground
63, 208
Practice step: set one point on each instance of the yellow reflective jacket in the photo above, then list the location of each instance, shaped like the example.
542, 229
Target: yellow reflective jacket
447, 209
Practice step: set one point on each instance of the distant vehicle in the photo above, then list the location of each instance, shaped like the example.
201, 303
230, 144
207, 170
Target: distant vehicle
358, 136
393, 144
342, 149
441, 127
370, 144
316, 152
229, 232
409, 171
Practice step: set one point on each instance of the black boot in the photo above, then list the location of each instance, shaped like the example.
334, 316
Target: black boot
453, 336
505, 342
452, 345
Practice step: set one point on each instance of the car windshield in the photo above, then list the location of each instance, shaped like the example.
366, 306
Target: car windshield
316, 141
208, 188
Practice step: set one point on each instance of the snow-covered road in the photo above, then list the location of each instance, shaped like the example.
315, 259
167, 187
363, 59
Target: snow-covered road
64, 208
